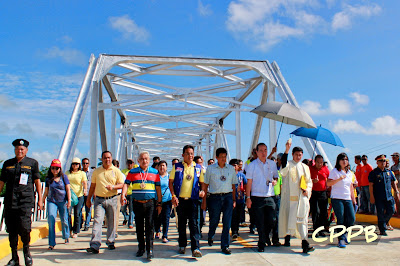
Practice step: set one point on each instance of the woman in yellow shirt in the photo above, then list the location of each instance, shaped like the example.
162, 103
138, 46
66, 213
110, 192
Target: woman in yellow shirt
78, 183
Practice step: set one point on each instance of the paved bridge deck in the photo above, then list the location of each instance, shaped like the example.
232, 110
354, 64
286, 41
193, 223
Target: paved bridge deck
244, 252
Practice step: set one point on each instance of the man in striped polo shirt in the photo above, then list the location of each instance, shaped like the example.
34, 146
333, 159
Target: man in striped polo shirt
146, 183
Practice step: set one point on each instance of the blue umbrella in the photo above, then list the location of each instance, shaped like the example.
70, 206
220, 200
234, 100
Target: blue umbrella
319, 134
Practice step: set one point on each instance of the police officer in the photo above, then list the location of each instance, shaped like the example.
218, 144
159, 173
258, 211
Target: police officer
381, 182
20, 173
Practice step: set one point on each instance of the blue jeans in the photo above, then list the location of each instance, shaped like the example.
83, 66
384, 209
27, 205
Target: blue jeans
163, 218
88, 212
76, 228
344, 212
130, 208
216, 205
51, 219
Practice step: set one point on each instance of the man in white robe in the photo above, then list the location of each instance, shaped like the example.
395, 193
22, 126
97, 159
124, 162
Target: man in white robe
295, 206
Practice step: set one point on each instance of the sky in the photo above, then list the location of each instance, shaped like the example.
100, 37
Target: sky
340, 58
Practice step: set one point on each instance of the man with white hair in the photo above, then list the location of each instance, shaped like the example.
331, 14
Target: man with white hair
146, 186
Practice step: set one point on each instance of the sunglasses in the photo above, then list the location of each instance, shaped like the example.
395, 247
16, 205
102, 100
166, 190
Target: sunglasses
55, 168
382, 160
85, 163
75, 163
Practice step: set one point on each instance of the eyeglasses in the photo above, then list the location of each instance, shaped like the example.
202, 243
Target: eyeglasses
55, 168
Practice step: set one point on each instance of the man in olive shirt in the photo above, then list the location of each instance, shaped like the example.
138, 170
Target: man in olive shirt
20, 173
106, 180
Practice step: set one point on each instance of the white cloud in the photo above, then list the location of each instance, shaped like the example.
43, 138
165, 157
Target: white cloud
4, 128
345, 18
312, 108
44, 158
5, 102
204, 10
68, 55
339, 106
66, 39
360, 98
385, 125
265, 23
129, 28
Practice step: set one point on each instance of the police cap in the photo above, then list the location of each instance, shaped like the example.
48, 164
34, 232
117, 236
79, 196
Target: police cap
20, 142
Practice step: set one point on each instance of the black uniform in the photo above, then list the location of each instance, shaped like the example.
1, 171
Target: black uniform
384, 200
19, 200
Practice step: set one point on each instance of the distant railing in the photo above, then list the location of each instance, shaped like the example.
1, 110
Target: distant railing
37, 215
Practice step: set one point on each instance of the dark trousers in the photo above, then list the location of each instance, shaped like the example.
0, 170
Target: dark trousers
265, 216
220, 204
344, 212
318, 207
188, 210
275, 235
18, 222
384, 211
163, 218
144, 213
236, 218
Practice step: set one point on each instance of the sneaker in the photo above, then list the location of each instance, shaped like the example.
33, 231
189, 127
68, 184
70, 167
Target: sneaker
165, 240
92, 250
196, 253
157, 236
342, 244
130, 227
234, 237
66, 241
124, 222
75, 235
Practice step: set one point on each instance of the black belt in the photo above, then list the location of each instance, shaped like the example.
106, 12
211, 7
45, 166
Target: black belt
220, 194
143, 201
106, 197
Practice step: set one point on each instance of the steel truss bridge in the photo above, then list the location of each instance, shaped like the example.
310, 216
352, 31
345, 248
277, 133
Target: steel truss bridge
159, 104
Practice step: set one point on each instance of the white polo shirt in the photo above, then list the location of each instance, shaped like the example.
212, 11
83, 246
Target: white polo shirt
262, 175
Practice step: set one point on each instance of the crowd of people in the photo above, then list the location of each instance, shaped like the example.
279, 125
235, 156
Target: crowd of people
278, 193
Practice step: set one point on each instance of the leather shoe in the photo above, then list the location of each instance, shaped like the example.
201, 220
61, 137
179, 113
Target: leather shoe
13, 262
182, 250
196, 253
139, 253
277, 244
210, 242
111, 247
149, 254
226, 251
260, 249
27, 256
92, 250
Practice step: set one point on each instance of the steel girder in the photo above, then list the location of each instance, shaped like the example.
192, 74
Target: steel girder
164, 103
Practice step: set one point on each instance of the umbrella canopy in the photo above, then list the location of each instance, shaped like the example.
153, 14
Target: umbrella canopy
319, 134
285, 113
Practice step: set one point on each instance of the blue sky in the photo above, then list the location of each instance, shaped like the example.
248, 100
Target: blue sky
340, 58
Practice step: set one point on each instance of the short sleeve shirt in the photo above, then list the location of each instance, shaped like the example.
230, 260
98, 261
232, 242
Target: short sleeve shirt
382, 181
76, 180
57, 192
321, 175
365, 170
19, 178
220, 179
103, 177
262, 175
187, 185
341, 190
143, 183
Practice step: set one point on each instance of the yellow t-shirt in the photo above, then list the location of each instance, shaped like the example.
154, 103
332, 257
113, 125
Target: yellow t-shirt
76, 181
187, 185
125, 172
103, 177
